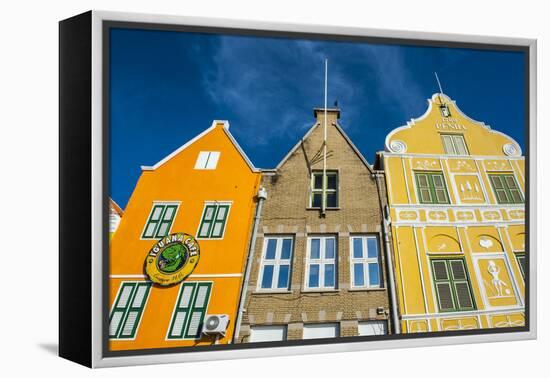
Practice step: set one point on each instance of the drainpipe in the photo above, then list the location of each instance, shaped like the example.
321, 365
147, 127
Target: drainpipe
262, 195
389, 260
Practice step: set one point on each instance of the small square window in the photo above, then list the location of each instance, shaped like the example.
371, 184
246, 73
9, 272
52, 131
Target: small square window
330, 192
445, 112
207, 160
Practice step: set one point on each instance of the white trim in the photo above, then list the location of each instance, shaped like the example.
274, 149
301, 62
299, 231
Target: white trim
441, 156
494, 255
431, 101
321, 262
454, 314
398, 257
212, 275
215, 123
276, 262
365, 261
422, 281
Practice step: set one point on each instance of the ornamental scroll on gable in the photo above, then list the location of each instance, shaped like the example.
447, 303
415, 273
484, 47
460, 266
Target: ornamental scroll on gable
443, 119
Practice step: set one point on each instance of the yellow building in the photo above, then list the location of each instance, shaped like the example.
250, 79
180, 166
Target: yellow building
205, 189
456, 192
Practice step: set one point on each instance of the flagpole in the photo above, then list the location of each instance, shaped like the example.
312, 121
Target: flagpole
324, 199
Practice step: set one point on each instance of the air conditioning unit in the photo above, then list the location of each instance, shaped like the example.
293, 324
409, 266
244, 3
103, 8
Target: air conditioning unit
215, 324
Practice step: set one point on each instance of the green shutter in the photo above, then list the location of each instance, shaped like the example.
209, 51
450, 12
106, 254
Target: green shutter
452, 285
128, 309
520, 257
431, 188
159, 222
190, 310
213, 221
506, 188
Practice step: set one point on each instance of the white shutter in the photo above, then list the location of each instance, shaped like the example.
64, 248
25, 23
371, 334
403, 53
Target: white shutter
267, 333
201, 160
371, 328
213, 160
320, 331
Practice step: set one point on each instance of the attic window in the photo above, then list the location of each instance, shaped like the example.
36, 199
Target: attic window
207, 160
445, 112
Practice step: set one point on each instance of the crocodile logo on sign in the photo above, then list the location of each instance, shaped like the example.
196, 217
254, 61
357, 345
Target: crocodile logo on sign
172, 259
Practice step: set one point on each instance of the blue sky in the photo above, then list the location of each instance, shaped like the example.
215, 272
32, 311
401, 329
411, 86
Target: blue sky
166, 87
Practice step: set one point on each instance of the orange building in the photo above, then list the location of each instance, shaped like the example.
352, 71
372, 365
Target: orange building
207, 189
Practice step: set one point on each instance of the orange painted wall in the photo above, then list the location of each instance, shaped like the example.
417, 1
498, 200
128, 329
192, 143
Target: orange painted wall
176, 180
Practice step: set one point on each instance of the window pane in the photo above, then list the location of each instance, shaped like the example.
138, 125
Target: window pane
286, 250
150, 230
315, 249
460, 145
329, 248
209, 213
372, 246
358, 275
457, 267
217, 230
441, 195
438, 181
163, 229
422, 180
496, 182
318, 181
267, 277
448, 145
270, 249
332, 181
222, 211
317, 200
332, 200
157, 210
510, 182
516, 196
282, 281
374, 274
501, 196
445, 296
127, 290
425, 195
329, 275
357, 248
463, 295
204, 229
115, 322
169, 213
313, 275
440, 270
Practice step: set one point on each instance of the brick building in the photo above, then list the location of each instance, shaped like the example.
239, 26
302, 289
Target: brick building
315, 275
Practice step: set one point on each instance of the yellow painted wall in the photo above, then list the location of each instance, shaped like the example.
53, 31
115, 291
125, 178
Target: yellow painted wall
233, 180
473, 226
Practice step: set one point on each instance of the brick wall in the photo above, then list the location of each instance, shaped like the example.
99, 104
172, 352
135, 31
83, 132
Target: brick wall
287, 212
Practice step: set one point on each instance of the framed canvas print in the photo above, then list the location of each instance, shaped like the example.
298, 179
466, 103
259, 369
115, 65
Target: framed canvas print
232, 189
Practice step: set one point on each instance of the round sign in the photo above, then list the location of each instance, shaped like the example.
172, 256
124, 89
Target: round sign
172, 259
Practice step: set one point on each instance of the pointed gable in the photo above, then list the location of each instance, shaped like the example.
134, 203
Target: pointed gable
433, 133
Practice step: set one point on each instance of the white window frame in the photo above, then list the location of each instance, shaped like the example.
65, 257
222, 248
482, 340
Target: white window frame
321, 261
283, 328
375, 324
335, 326
365, 260
276, 263
207, 160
